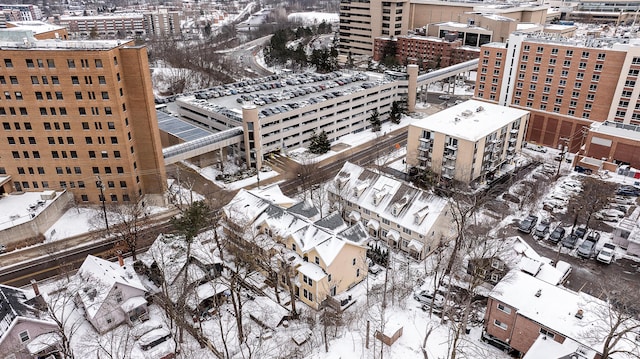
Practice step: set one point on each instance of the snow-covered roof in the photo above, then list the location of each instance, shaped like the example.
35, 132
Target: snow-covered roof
312, 271
514, 252
393, 200
18, 208
547, 348
205, 291
37, 27
168, 251
327, 235
14, 306
43, 342
471, 120
265, 311
96, 278
133, 303
555, 307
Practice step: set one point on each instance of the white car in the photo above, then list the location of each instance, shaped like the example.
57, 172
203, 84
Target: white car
426, 297
539, 149
607, 253
444, 97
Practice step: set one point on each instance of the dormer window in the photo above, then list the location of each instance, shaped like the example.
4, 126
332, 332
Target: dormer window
317, 260
293, 246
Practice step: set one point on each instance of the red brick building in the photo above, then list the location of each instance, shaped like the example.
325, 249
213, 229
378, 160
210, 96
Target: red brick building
533, 317
426, 52
565, 84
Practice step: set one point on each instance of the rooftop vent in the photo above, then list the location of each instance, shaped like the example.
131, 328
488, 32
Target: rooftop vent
579, 314
539, 293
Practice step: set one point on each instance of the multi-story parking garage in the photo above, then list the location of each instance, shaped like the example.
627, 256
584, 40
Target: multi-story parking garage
282, 112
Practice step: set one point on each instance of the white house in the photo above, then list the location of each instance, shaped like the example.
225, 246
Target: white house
110, 293
403, 216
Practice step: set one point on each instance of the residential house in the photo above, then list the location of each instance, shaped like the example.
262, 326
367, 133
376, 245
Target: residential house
326, 255
25, 330
166, 262
495, 258
110, 293
405, 217
529, 314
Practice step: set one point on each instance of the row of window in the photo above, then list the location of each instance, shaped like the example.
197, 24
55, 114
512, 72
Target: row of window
71, 63
63, 170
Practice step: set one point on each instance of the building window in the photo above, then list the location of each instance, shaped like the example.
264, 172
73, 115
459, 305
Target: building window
503, 308
24, 336
547, 333
500, 325
354, 261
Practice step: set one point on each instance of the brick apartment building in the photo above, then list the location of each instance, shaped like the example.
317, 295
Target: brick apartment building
75, 113
566, 84
426, 52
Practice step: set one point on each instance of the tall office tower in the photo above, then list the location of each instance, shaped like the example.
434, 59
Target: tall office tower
75, 115
566, 84
361, 21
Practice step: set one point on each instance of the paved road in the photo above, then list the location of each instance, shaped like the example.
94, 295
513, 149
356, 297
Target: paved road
63, 257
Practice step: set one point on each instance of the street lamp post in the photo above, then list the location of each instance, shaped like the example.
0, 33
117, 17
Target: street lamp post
104, 208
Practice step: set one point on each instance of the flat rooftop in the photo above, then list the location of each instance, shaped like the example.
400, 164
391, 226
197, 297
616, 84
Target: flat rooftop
18, 208
470, 120
281, 93
617, 129
22, 39
38, 27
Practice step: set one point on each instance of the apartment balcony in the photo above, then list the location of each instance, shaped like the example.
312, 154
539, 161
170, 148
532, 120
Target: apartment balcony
425, 140
450, 157
451, 147
514, 131
513, 139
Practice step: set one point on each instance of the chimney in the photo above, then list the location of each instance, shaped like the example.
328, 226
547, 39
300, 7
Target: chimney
34, 285
579, 314
120, 259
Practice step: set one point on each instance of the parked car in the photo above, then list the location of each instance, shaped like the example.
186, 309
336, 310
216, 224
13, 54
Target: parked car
542, 230
526, 225
444, 97
570, 241
587, 248
609, 215
607, 253
594, 236
154, 338
584, 170
427, 297
629, 191
580, 231
557, 235
539, 149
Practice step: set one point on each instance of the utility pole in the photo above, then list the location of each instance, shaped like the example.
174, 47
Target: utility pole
564, 151
104, 208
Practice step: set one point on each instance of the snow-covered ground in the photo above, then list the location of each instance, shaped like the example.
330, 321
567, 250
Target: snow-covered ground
314, 17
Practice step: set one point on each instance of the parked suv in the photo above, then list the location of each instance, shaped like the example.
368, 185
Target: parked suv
557, 235
587, 248
542, 229
526, 225
606, 253
570, 241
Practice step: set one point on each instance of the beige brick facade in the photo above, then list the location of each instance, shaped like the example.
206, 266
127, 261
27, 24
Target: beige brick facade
72, 113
